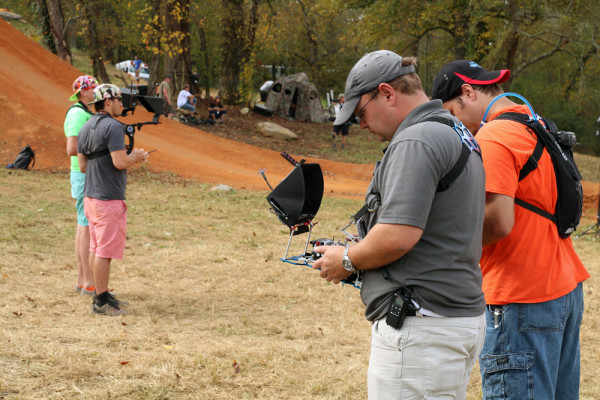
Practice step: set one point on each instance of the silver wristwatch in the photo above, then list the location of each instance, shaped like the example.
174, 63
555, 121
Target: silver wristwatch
347, 263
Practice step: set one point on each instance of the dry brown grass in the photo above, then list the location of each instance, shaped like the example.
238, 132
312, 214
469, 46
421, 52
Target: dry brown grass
207, 291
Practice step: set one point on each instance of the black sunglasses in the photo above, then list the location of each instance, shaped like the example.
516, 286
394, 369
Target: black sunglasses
359, 112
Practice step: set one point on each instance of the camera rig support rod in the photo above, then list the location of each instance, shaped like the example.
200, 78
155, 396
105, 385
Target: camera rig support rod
292, 230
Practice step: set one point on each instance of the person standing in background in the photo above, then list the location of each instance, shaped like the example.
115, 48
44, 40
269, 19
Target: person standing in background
102, 154
344, 128
77, 115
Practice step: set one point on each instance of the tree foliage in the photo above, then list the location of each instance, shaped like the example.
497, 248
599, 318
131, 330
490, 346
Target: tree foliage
232, 46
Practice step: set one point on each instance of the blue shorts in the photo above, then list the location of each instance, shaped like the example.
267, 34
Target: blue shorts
77, 182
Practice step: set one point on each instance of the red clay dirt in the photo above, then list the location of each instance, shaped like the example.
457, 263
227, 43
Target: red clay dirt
35, 86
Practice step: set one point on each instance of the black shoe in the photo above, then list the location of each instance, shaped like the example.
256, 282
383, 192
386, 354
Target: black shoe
114, 300
109, 308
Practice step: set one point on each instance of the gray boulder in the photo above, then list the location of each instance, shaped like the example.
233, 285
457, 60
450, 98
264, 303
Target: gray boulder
270, 129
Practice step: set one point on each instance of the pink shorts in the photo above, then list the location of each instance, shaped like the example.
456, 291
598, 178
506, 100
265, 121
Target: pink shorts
108, 226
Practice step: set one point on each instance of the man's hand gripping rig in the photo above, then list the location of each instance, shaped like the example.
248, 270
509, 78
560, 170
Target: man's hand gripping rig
296, 201
152, 104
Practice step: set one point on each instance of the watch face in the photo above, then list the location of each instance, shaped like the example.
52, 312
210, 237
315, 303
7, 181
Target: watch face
347, 264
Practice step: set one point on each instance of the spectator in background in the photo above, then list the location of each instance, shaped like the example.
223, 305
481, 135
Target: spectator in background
216, 110
137, 63
264, 90
77, 115
101, 152
186, 100
164, 92
344, 128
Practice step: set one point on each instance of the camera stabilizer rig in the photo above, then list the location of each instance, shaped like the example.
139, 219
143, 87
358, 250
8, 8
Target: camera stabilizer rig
594, 229
296, 201
130, 99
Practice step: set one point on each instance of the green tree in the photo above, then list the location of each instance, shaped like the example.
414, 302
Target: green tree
240, 20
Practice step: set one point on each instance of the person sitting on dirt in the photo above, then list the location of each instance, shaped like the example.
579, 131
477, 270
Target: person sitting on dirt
186, 100
164, 92
216, 109
264, 90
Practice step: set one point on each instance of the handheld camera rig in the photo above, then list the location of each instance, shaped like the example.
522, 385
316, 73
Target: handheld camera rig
295, 201
594, 229
130, 99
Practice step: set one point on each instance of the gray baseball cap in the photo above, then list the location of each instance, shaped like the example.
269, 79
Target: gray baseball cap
374, 68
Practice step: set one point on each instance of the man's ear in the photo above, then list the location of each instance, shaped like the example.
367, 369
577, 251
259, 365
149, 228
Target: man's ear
468, 93
388, 92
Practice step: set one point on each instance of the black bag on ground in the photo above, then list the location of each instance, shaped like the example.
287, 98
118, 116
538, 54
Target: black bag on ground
25, 157
569, 203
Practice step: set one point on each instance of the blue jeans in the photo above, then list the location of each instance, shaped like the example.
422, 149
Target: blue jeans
531, 351
216, 114
188, 106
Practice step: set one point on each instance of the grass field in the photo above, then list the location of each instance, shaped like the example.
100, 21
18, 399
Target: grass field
215, 314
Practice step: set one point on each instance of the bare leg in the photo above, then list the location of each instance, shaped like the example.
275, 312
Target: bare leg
101, 273
82, 249
78, 256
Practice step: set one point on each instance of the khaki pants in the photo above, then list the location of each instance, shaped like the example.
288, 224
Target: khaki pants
428, 358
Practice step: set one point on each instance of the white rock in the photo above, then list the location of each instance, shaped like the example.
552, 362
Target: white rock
269, 129
221, 187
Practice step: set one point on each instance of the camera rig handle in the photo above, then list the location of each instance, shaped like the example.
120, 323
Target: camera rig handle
291, 159
130, 132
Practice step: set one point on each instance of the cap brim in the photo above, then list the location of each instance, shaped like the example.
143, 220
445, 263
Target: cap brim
488, 78
73, 97
346, 111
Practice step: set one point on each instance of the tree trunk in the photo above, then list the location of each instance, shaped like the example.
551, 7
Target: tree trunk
238, 42
233, 43
204, 50
45, 28
154, 41
94, 44
178, 52
57, 24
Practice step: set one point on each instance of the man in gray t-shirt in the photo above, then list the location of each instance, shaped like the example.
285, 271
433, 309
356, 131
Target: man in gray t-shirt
421, 236
102, 155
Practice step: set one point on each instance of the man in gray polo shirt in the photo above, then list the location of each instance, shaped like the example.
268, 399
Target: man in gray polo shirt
421, 236
102, 153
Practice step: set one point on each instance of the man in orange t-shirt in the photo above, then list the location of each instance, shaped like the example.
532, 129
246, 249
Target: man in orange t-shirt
532, 278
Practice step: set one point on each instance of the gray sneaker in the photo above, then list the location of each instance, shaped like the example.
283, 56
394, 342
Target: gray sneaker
117, 301
108, 309
86, 292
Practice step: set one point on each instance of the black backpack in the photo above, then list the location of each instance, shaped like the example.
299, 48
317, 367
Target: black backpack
25, 157
559, 144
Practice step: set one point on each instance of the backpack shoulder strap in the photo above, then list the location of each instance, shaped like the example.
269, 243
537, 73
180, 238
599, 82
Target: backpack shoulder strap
532, 161
98, 153
79, 104
456, 170
465, 152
